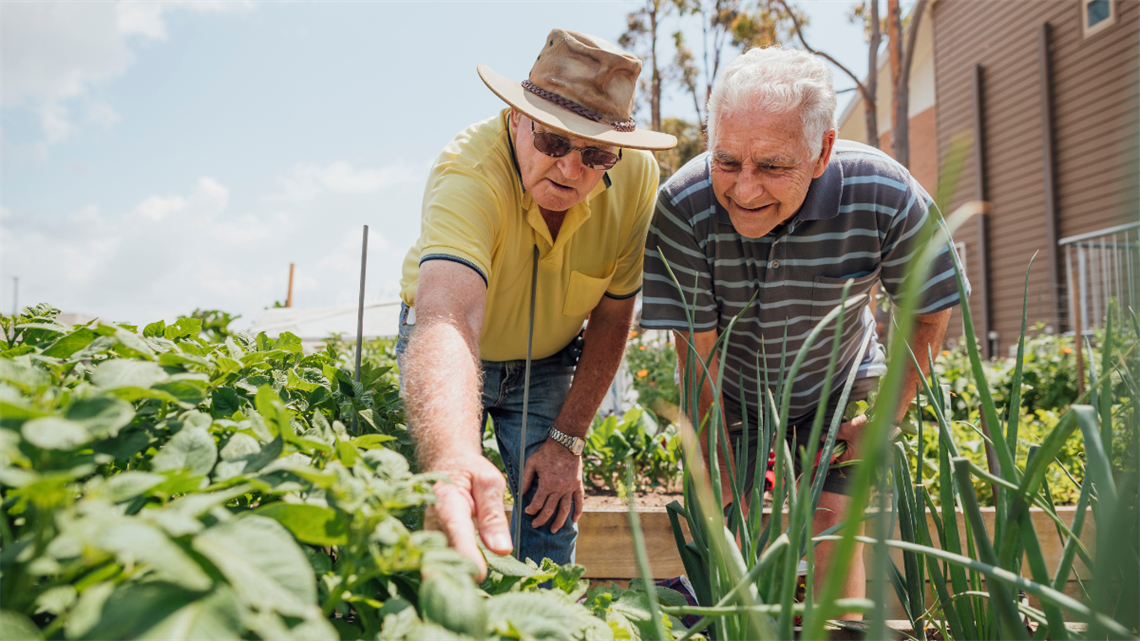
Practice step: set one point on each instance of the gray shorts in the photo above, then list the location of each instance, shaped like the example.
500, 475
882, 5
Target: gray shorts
799, 432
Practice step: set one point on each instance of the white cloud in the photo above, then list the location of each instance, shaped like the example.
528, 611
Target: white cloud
54, 53
172, 252
308, 180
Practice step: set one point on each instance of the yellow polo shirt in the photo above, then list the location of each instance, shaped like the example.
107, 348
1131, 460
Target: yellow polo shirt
475, 212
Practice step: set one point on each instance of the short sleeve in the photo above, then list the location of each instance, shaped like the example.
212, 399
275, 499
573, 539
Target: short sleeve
459, 214
626, 281
909, 230
673, 241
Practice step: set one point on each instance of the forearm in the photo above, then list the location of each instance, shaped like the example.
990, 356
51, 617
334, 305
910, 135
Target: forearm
926, 339
442, 374
442, 379
605, 339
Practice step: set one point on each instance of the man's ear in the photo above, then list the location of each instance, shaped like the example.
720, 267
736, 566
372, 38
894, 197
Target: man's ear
516, 118
829, 137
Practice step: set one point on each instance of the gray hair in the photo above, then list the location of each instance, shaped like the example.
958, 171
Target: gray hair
777, 80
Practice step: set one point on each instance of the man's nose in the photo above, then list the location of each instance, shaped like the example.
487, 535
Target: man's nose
571, 164
748, 188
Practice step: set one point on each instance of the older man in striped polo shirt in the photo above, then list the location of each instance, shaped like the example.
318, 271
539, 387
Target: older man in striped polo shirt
779, 209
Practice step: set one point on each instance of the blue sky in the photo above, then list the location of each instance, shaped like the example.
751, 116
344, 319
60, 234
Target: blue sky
158, 157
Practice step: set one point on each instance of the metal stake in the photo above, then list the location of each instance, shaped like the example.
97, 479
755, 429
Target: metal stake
526, 401
360, 318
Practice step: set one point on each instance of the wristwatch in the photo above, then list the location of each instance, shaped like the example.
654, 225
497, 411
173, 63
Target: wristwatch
572, 443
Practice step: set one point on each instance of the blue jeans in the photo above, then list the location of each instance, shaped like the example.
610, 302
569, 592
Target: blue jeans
502, 401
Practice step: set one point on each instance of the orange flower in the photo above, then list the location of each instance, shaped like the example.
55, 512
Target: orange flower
1066, 350
945, 352
641, 347
633, 334
643, 373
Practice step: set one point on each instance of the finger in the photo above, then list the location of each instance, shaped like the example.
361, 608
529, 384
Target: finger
453, 511
579, 503
529, 472
491, 516
548, 508
564, 508
540, 498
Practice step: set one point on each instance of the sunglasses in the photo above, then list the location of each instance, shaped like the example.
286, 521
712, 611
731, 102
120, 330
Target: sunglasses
557, 146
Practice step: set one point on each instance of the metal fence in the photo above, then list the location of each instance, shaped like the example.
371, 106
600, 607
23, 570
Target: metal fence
1101, 266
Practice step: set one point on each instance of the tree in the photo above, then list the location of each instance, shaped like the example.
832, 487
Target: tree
641, 29
868, 88
900, 136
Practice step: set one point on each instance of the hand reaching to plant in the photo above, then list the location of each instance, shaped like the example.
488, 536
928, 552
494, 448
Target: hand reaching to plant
560, 489
475, 492
851, 432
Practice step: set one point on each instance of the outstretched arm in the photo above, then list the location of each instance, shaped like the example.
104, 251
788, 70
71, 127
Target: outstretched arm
443, 387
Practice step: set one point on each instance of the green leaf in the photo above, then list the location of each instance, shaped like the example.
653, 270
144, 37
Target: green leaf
188, 392
133, 541
131, 394
56, 600
26, 377
155, 329
13, 414
310, 524
174, 359
225, 401
277, 417
183, 328
371, 441
536, 615
452, 602
346, 453
216, 617
53, 433
133, 344
71, 343
103, 416
159, 610
88, 610
192, 449
17, 627
123, 372
260, 559
128, 485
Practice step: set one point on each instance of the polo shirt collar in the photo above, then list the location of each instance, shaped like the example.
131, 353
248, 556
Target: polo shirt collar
824, 193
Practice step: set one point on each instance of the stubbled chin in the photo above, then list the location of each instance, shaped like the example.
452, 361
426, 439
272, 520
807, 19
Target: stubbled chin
751, 225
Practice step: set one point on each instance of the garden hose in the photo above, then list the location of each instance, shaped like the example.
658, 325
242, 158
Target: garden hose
526, 402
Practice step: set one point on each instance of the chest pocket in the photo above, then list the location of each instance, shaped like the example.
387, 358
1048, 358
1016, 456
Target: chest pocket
583, 294
827, 291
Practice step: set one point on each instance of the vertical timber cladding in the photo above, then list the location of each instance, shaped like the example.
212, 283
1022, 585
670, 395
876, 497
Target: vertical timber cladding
1095, 111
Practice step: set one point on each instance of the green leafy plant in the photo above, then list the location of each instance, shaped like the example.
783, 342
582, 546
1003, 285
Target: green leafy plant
159, 485
654, 453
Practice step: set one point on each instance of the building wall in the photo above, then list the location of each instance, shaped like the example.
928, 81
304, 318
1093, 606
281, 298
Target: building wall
923, 149
1095, 85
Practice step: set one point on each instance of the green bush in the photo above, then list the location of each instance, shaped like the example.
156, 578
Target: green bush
654, 452
160, 485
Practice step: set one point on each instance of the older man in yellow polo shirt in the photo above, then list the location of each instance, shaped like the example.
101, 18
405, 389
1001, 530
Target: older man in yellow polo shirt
534, 218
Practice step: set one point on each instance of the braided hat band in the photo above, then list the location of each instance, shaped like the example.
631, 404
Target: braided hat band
618, 125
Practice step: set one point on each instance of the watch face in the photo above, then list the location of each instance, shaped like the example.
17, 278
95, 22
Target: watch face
579, 445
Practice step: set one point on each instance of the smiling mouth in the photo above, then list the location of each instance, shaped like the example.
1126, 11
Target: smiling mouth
560, 185
753, 210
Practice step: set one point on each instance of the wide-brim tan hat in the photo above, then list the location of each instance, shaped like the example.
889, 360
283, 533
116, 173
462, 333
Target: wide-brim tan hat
583, 86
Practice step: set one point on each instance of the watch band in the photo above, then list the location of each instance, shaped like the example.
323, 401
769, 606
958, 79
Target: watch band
572, 443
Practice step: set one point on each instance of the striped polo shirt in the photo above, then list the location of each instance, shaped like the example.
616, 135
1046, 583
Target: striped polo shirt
864, 219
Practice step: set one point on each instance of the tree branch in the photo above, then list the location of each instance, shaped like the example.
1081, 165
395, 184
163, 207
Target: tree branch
803, 41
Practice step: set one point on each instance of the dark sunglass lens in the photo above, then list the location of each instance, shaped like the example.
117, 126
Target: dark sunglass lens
598, 159
551, 144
